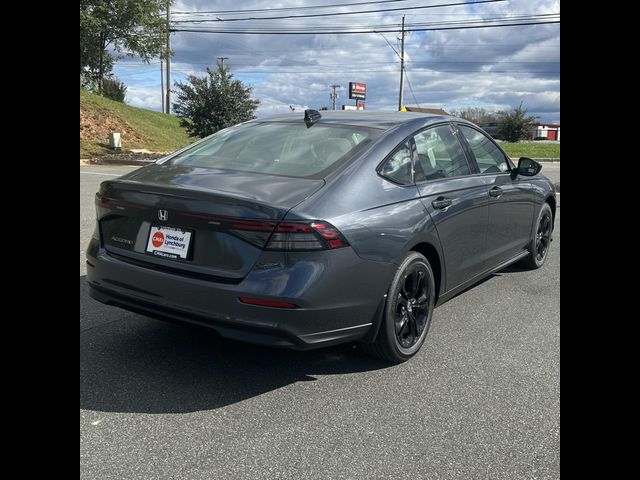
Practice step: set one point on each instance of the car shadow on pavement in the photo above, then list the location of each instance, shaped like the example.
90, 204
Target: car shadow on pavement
131, 363
514, 268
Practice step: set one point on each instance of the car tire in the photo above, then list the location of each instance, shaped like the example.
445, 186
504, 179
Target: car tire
541, 241
408, 311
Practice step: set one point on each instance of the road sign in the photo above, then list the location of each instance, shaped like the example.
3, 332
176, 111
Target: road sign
357, 90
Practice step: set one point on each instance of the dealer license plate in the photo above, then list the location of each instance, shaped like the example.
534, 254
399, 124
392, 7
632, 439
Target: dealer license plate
169, 242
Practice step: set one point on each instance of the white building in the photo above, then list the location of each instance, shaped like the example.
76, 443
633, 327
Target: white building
550, 131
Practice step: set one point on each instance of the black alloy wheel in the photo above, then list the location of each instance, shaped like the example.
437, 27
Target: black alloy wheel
408, 311
411, 310
541, 241
543, 235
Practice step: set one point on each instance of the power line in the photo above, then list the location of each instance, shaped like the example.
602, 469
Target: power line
322, 72
392, 47
278, 25
257, 53
394, 62
255, 10
347, 32
411, 89
355, 64
351, 25
387, 26
359, 12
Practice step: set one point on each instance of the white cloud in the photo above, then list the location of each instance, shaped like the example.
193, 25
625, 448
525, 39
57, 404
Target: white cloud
144, 97
492, 67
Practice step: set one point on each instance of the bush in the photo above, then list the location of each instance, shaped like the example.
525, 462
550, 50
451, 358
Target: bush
114, 89
514, 125
208, 104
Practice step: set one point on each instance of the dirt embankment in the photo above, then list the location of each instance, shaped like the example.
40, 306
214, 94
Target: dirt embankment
96, 125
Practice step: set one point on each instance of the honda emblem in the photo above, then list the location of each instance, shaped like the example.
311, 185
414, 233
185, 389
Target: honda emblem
163, 215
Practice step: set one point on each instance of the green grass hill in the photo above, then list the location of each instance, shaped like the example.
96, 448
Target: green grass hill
139, 128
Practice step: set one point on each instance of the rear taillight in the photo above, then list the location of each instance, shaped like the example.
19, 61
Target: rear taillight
290, 236
106, 205
118, 204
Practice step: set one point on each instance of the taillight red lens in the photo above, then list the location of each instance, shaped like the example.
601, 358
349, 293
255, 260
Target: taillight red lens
255, 225
287, 236
256, 232
120, 204
330, 233
298, 236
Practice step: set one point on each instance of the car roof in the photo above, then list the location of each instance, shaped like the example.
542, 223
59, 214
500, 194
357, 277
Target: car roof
371, 118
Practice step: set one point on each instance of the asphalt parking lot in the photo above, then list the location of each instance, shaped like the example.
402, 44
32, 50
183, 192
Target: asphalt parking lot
480, 400
551, 170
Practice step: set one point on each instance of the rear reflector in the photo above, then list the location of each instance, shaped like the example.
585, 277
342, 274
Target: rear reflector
267, 303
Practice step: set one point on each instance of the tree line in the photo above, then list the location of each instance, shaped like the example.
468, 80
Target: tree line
510, 125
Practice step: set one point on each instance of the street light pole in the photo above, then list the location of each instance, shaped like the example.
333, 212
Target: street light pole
162, 82
401, 95
168, 53
333, 95
222, 59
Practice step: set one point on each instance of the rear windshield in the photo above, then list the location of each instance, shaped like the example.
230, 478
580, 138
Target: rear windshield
279, 148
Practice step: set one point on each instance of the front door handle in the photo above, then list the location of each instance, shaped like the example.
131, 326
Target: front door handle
495, 192
441, 202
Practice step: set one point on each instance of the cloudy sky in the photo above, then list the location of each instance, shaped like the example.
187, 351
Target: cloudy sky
493, 68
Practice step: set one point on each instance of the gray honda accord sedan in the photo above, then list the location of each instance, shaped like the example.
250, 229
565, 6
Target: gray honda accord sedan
306, 231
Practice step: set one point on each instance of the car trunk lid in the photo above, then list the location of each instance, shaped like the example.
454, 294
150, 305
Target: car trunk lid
199, 211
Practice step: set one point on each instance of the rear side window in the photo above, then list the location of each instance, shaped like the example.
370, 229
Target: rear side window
440, 155
488, 156
288, 149
398, 166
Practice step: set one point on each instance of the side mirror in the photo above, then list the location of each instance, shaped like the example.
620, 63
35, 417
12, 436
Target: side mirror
527, 167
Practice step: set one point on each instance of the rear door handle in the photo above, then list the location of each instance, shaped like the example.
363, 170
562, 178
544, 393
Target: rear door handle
441, 202
495, 192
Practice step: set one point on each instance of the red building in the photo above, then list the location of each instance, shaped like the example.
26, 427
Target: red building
550, 131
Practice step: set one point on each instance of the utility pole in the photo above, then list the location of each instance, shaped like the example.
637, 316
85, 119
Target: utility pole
222, 59
333, 95
400, 97
167, 103
162, 82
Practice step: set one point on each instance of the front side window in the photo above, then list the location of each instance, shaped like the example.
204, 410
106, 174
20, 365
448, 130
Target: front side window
488, 156
279, 148
440, 155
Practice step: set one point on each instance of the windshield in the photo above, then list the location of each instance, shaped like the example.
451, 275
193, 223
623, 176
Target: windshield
279, 148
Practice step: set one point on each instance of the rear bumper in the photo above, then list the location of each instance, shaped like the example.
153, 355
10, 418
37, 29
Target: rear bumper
333, 307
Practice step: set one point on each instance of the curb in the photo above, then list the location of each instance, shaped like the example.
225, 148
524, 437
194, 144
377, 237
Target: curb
545, 160
111, 161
